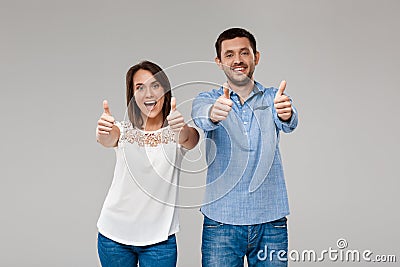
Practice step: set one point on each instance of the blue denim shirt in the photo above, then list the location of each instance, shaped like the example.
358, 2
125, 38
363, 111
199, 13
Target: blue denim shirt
245, 181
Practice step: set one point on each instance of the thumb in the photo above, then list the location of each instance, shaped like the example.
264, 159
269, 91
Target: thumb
226, 90
173, 104
281, 89
106, 107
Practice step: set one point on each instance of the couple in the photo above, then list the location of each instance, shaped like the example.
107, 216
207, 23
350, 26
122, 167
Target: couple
246, 201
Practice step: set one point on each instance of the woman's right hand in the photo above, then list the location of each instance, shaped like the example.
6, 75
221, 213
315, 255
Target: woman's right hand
106, 132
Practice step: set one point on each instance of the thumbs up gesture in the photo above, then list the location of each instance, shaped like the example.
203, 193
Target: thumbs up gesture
222, 106
175, 118
282, 103
107, 133
106, 121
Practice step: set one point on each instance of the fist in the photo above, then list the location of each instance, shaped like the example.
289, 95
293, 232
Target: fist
106, 121
282, 103
175, 118
222, 106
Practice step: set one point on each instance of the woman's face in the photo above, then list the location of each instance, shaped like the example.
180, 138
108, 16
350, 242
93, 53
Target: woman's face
149, 94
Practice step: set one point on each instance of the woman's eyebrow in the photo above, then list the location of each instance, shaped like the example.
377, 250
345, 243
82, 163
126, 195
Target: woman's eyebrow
153, 82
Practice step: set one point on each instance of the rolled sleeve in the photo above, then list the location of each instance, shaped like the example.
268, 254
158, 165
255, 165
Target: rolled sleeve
201, 110
286, 126
290, 125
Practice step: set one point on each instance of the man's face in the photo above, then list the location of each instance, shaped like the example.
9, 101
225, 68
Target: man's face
238, 60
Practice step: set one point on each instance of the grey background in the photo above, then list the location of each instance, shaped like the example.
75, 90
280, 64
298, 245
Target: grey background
60, 59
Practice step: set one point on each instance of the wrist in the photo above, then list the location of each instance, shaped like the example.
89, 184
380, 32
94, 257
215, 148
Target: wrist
183, 134
210, 116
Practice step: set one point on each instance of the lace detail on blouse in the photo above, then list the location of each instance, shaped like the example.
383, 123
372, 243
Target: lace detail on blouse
143, 138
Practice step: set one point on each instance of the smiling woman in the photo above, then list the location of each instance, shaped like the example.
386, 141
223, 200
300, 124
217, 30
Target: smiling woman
138, 220
148, 95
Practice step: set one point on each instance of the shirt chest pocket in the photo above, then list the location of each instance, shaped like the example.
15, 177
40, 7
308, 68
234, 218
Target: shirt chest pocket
263, 118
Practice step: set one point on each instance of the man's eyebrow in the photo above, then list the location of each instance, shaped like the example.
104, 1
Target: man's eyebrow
241, 49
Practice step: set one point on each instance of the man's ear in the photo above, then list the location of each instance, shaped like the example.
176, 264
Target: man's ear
219, 63
256, 57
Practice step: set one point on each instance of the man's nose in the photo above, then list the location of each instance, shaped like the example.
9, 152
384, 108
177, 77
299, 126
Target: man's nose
237, 59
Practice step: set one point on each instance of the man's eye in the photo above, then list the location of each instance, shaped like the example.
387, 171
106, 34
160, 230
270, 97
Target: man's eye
229, 55
245, 53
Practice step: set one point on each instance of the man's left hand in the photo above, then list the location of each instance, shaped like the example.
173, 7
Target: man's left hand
282, 103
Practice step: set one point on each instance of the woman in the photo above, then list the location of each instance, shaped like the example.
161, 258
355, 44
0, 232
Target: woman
138, 221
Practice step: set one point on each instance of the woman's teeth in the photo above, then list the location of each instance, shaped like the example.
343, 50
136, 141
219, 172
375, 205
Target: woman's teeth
150, 104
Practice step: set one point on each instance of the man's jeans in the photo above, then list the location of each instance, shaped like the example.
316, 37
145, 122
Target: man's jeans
225, 245
113, 254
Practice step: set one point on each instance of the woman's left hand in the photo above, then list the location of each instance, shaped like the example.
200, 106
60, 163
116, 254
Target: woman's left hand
175, 118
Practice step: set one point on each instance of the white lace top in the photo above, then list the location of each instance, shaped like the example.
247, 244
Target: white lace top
140, 206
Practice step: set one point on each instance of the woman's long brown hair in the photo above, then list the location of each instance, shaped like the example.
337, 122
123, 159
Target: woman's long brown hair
134, 113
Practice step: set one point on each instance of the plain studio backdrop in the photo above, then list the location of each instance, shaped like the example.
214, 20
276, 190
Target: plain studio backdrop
60, 59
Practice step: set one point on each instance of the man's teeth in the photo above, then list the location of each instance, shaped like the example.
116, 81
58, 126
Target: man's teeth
238, 69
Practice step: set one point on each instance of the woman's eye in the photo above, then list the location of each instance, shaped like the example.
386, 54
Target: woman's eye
156, 86
139, 88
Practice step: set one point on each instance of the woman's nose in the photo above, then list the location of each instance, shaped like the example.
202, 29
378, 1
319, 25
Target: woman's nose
148, 93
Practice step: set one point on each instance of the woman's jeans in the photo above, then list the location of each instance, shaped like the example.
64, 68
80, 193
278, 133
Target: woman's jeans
113, 254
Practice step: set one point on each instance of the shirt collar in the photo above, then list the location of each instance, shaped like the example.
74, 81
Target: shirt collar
257, 88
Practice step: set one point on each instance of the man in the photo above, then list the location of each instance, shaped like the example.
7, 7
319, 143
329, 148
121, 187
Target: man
246, 201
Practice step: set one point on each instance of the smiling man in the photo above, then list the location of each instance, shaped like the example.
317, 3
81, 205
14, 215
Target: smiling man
246, 203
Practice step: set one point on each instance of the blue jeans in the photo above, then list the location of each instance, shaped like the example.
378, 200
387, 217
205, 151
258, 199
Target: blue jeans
225, 245
113, 254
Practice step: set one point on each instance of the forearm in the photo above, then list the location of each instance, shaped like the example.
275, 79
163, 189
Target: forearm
201, 117
188, 137
289, 125
111, 139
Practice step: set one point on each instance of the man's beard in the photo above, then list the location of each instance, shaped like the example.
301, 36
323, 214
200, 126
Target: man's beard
242, 81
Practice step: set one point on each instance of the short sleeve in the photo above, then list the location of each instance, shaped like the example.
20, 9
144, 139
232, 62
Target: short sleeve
123, 127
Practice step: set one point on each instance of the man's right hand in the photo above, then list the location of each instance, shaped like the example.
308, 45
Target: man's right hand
222, 106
